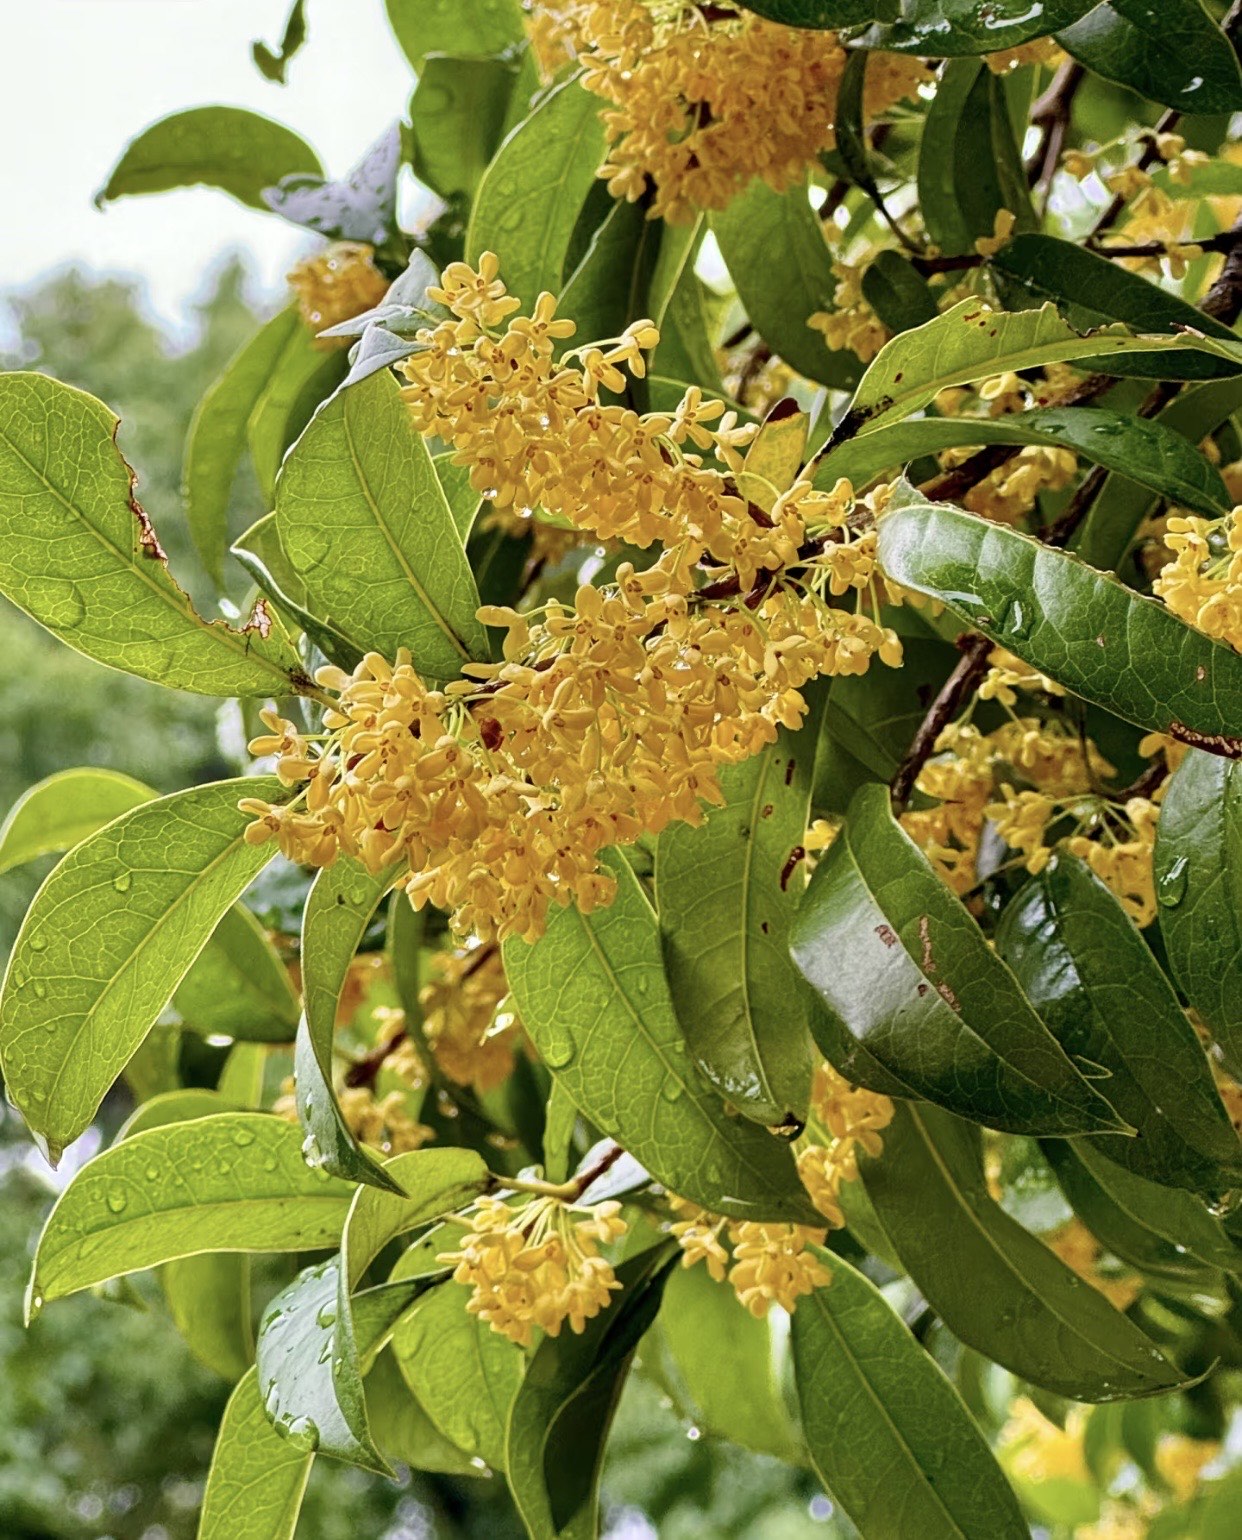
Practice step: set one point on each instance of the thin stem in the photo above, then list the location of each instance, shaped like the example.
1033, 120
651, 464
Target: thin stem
566, 1192
956, 690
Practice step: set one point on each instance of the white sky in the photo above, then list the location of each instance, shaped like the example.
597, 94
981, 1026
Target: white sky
78, 78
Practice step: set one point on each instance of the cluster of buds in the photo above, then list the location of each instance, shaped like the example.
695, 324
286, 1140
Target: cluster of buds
766, 1264
537, 1264
1203, 582
849, 1118
335, 285
471, 1038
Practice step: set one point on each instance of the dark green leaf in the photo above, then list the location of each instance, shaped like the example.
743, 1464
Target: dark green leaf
458, 115
227, 147
819, 13
969, 166
1167, 50
725, 1358
1090, 291
273, 63
992, 1283
80, 556
1088, 972
231, 1181
727, 893
362, 206
257, 1478
887, 1433
238, 987
1148, 453
946, 28
108, 938
470, 28
59, 812
897, 293
608, 288
1082, 628
593, 996
559, 1420
363, 519
780, 295
338, 910
913, 990
1198, 863
530, 195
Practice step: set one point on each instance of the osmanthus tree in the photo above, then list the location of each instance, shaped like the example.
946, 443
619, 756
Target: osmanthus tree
746, 815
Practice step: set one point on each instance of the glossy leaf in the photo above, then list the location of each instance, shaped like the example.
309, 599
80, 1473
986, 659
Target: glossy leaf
338, 910
364, 521
428, 1184
238, 151
1152, 455
402, 1428
1198, 866
259, 551
972, 342
474, 28
727, 893
233, 1181
208, 1298
302, 377
951, 27
216, 439
1091, 291
238, 987
459, 1369
910, 987
1089, 974
780, 297
457, 114
593, 997
994, 1285
61, 810
257, 1478
607, 288
106, 941
1169, 51
1083, 628
559, 1419
969, 166
726, 1360
79, 555
887, 1434
528, 200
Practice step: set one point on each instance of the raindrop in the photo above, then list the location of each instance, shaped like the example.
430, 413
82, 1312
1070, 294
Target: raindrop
326, 1316
152, 1172
40, 989
671, 1089
558, 1050
302, 1432
1171, 885
117, 1199
122, 881
38, 943
242, 1137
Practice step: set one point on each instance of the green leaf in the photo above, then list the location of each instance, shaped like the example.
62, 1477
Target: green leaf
257, 1478
302, 377
780, 296
1082, 628
991, 1282
1167, 50
364, 521
260, 552
947, 28
1198, 866
81, 558
897, 292
310, 1372
969, 166
726, 1360
1088, 972
815, 13
106, 941
913, 990
593, 997
973, 342
402, 1428
232, 1181
559, 1420
608, 288
238, 151
239, 987
338, 909
217, 435
473, 28
60, 811
459, 1369
727, 893
530, 195
1162, 1233
272, 64
1152, 455
208, 1298
1090, 291
888, 1435
457, 114
360, 206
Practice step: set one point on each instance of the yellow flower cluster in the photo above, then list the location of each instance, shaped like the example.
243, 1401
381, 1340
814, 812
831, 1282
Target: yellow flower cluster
1203, 582
767, 1264
851, 323
384, 1122
1041, 50
537, 1265
1036, 1449
702, 98
335, 285
853, 1118
472, 1040
606, 721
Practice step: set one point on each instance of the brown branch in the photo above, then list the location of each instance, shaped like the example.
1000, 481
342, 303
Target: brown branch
1151, 780
956, 690
1052, 113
